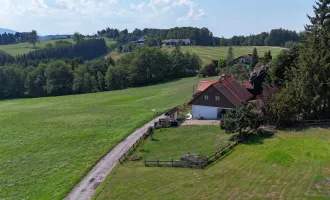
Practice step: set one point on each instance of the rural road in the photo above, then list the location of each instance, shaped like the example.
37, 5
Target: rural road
86, 188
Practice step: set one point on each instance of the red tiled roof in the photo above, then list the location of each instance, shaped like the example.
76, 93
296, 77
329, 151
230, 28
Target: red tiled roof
247, 85
257, 69
233, 91
203, 85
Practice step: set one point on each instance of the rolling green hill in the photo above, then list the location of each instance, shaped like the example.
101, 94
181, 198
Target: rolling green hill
49, 144
207, 54
292, 165
22, 48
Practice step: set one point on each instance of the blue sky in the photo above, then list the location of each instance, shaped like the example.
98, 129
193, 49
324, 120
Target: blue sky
222, 17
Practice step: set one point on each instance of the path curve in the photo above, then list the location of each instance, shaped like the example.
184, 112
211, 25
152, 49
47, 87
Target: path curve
86, 188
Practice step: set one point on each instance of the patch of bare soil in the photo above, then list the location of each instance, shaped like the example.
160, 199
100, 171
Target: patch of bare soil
201, 123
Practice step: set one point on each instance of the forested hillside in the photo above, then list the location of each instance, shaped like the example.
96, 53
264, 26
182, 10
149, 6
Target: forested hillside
203, 36
39, 74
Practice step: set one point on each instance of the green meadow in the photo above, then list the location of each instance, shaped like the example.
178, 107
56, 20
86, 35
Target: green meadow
291, 165
207, 54
49, 144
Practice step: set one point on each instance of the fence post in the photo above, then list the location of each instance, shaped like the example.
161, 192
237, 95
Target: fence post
157, 162
145, 163
172, 162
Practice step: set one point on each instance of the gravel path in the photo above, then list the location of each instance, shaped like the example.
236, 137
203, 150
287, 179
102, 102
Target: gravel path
86, 188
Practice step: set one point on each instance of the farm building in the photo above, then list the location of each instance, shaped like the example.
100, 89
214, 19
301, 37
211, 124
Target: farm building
246, 59
222, 95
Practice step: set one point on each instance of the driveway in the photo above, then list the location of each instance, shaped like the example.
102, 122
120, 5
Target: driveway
201, 123
86, 188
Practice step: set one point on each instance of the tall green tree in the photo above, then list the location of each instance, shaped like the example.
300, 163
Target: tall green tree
243, 120
309, 89
222, 42
81, 81
32, 38
77, 37
230, 57
59, 78
255, 57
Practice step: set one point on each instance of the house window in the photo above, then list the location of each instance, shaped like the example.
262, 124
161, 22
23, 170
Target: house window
206, 97
217, 98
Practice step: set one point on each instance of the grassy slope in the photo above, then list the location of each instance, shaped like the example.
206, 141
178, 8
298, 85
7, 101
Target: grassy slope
49, 144
21, 48
207, 54
293, 165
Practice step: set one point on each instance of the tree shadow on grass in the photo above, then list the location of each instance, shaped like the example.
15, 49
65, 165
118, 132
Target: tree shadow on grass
256, 139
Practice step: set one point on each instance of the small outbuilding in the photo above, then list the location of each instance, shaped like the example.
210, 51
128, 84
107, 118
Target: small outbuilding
172, 115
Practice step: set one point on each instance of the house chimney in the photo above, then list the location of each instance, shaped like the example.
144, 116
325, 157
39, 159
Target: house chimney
222, 77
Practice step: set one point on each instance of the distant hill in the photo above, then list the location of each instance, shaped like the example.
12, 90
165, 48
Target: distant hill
50, 37
4, 30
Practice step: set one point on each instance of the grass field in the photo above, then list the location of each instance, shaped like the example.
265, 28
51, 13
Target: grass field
22, 48
207, 54
193, 139
49, 144
292, 165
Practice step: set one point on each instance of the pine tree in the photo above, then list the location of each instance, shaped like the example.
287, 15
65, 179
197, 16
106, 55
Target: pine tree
309, 90
230, 57
222, 42
255, 58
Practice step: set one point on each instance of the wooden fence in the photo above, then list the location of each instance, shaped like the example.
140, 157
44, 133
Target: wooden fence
322, 122
135, 145
186, 164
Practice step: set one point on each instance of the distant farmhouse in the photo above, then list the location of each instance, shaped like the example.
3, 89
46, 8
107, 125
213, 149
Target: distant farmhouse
246, 59
141, 41
213, 98
175, 41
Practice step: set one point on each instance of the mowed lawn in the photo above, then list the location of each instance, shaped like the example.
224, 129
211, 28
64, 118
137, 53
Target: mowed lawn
207, 54
22, 48
172, 143
49, 144
292, 165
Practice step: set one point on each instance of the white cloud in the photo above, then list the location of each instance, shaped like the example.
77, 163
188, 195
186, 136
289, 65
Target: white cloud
192, 14
113, 1
7, 4
88, 16
138, 6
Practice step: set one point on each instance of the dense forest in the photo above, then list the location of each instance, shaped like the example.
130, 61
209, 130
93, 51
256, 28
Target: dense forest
53, 77
204, 37
86, 49
276, 37
9, 38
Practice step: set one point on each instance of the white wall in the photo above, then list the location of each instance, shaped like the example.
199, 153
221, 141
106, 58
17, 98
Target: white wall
207, 112
204, 111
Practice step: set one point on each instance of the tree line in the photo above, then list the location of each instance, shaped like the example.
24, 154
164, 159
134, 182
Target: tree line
204, 37
276, 37
200, 36
9, 38
86, 49
74, 76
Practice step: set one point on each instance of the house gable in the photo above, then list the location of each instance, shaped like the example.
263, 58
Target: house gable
215, 99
